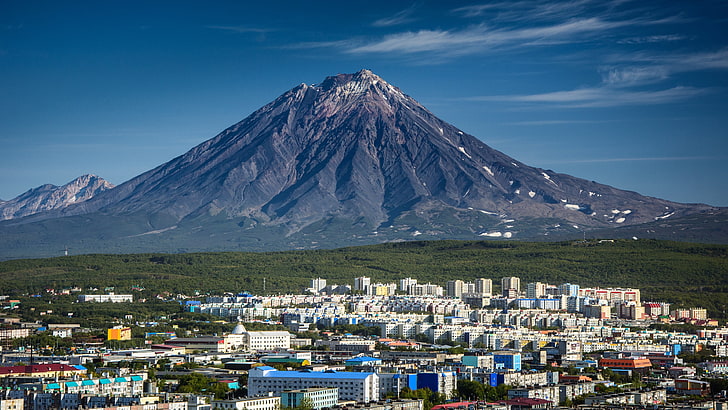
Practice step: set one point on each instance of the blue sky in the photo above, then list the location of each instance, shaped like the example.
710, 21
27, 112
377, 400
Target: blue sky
633, 94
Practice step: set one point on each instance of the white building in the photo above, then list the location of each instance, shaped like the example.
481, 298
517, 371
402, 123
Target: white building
317, 284
111, 297
510, 285
319, 397
262, 403
258, 340
267, 340
406, 284
359, 387
362, 283
484, 286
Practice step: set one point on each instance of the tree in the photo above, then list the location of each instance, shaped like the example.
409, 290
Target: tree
499, 392
197, 383
470, 390
306, 403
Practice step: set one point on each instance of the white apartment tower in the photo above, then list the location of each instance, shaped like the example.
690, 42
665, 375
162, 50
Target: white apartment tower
362, 283
455, 288
405, 285
510, 285
535, 290
484, 286
318, 284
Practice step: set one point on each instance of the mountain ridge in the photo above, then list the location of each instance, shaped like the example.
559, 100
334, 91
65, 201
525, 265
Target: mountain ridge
355, 148
50, 197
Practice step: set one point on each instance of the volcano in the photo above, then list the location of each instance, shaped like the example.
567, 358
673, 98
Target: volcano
357, 159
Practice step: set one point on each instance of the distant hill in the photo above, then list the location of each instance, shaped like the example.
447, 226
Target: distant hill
352, 160
681, 273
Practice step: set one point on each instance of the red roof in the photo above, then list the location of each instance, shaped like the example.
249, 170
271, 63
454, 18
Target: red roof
526, 400
37, 368
454, 405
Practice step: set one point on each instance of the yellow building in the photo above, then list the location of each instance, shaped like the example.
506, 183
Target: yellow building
119, 333
54, 370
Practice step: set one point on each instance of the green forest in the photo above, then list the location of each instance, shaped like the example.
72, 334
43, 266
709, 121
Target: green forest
685, 274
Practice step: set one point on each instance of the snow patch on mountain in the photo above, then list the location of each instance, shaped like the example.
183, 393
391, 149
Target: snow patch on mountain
461, 149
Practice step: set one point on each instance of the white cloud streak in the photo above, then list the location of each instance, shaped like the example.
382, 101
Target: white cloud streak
482, 38
643, 69
601, 97
402, 17
634, 76
653, 39
513, 11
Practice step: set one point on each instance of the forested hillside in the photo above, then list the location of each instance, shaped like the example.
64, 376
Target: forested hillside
681, 273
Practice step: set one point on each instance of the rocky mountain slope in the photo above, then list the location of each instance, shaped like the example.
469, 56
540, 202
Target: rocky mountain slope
350, 160
356, 147
50, 197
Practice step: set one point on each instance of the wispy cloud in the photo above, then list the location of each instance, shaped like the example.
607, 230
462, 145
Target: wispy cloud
482, 38
601, 97
424, 40
633, 76
541, 10
403, 17
695, 61
662, 38
648, 68
336, 44
504, 26
524, 10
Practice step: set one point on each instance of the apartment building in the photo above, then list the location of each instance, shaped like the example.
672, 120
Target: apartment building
261, 403
360, 387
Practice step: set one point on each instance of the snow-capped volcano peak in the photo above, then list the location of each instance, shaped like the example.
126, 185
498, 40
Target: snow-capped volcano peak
355, 148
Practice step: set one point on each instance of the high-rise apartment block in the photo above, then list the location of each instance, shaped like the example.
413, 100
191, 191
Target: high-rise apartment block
535, 290
455, 288
484, 286
510, 285
362, 283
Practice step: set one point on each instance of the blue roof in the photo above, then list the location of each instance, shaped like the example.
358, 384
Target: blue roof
71, 384
363, 359
88, 383
290, 374
105, 381
137, 378
53, 386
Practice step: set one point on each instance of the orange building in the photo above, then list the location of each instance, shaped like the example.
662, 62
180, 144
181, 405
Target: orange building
119, 333
638, 364
568, 378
